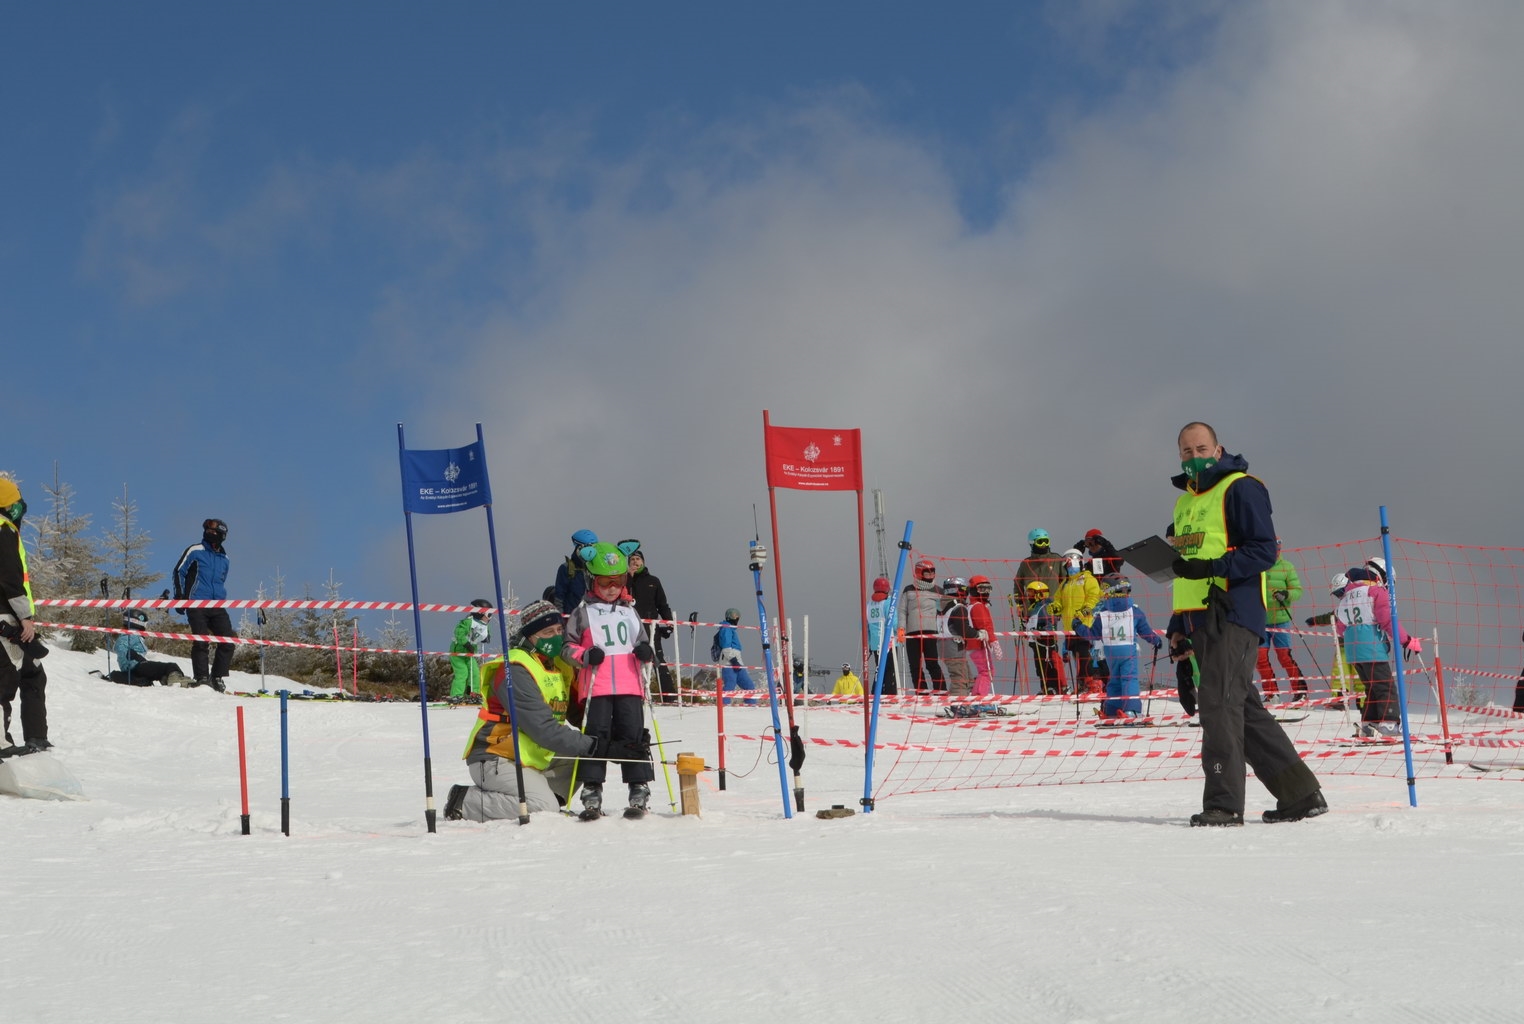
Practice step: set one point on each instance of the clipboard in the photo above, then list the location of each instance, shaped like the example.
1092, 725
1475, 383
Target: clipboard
1151, 556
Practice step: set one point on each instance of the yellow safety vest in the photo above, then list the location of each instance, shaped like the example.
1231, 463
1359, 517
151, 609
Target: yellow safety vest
1201, 531
26, 575
555, 687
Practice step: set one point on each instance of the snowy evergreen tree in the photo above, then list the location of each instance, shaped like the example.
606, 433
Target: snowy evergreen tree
64, 562
127, 546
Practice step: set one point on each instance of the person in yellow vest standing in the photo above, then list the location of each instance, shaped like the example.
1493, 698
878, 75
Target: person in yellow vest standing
541, 681
18, 637
1225, 539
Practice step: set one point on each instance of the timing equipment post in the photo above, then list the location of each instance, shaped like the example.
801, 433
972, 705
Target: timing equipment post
758, 558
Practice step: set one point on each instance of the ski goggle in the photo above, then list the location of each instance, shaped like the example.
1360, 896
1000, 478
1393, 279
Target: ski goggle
216, 526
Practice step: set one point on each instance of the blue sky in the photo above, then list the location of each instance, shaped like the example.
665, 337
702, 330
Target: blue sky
1017, 244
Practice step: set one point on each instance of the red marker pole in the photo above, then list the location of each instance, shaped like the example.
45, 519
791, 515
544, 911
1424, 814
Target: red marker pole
243, 773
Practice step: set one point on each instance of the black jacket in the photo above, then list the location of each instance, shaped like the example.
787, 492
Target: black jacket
650, 599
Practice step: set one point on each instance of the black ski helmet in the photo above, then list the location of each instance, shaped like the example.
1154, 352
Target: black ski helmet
484, 609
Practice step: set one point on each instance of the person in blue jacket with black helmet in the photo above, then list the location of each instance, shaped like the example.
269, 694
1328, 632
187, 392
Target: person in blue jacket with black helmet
201, 575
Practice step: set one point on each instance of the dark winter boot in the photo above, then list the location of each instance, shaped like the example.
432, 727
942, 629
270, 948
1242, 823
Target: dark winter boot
455, 801
1307, 807
592, 802
1216, 817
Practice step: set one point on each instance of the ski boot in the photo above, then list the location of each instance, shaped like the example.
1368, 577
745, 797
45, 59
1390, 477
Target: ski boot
592, 802
640, 799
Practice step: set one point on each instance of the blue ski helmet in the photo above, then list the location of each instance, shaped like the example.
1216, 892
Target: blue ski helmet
1033, 536
582, 538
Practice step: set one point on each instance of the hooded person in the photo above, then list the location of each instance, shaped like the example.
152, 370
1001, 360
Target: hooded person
471, 636
540, 681
651, 605
608, 646
571, 574
133, 667
878, 611
21, 648
201, 574
847, 684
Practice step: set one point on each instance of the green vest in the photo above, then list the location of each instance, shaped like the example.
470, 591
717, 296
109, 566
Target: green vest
555, 687
1201, 531
26, 575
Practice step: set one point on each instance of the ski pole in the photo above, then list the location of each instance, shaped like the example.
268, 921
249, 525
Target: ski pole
1153, 666
571, 787
656, 728
1290, 624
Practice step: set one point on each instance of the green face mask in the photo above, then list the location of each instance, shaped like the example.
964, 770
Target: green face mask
550, 646
1195, 467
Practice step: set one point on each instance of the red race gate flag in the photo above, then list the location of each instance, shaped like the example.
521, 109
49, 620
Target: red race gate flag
813, 459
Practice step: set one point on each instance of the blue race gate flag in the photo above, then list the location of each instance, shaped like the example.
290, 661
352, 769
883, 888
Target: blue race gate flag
437, 481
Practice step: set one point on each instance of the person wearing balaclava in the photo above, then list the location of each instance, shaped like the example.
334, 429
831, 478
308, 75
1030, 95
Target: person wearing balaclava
201, 574
20, 648
1224, 536
540, 680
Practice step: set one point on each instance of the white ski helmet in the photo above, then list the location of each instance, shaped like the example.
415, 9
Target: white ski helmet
1073, 561
1377, 565
1337, 584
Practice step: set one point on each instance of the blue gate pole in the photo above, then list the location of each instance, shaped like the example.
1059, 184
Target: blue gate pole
885, 650
1402, 688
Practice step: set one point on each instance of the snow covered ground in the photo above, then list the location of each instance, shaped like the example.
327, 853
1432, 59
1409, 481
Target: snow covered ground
1071, 904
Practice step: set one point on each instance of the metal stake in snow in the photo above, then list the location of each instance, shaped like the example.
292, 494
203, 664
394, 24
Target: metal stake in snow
758, 555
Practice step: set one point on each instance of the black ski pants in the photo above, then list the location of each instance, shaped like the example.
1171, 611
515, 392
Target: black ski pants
922, 650
1235, 727
210, 622
31, 682
617, 718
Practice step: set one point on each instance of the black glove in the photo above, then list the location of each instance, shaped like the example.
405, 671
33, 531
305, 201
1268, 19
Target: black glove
1281, 595
593, 658
643, 653
34, 647
1192, 568
664, 631
1310, 620
1187, 690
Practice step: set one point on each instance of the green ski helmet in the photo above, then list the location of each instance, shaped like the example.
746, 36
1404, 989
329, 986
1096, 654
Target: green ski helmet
604, 559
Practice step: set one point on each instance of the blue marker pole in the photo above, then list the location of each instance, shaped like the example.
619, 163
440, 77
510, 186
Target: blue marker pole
1402, 688
285, 769
885, 651
758, 560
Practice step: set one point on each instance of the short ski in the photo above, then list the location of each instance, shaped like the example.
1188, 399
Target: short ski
1279, 718
973, 711
1495, 766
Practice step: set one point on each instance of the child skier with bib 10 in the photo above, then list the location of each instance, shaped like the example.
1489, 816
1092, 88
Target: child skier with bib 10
607, 644
1117, 624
